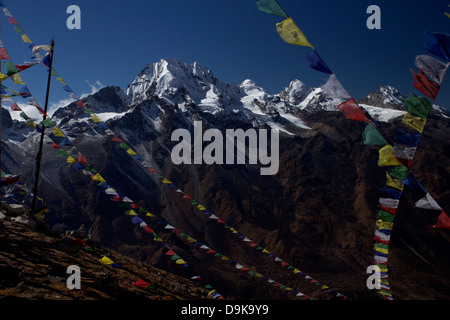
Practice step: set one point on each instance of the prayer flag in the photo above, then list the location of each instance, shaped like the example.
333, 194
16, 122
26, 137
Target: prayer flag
394, 183
418, 106
316, 63
26, 39
432, 67
271, 7
105, 260
131, 152
334, 89
4, 54
387, 157
415, 123
372, 137
438, 44
291, 34
443, 221
15, 107
424, 85
428, 202
353, 111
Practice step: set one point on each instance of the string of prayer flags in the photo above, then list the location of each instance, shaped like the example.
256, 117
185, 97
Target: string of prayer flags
353, 111
438, 44
271, 7
316, 63
432, 67
290, 33
372, 137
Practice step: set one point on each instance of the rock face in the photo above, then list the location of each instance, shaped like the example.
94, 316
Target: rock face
317, 213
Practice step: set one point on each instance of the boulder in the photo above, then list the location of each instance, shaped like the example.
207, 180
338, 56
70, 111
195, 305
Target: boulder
15, 210
26, 220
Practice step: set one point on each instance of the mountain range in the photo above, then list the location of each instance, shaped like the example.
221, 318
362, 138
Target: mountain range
318, 212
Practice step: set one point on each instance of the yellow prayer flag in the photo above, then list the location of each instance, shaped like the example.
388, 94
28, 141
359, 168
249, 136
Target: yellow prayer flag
26, 39
296, 270
324, 287
3, 77
131, 152
105, 260
57, 132
130, 213
394, 183
384, 225
190, 239
71, 159
200, 207
290, 33
265, 251
17, 79
382, 250
148, 214
95, 118
387, 157
30, 123
415, 123
61, 80
166, 181
98, 177
180, 261
224, 258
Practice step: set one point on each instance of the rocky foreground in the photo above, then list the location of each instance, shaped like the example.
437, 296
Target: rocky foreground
33, 266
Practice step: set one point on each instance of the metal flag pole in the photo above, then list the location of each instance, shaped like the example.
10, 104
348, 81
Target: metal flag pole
41, 144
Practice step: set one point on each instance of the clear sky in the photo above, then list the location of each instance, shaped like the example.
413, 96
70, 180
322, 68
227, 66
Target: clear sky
231, 37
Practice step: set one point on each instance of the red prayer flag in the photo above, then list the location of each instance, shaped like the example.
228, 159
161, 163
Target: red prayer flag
353, 111
392, 211
424, 85
443, 221
82, 159
148, 229
170, 253
21, 67
80, 103
4, 54
152, 170
141, 284
13, 21
116, 139
54, 145
15, 107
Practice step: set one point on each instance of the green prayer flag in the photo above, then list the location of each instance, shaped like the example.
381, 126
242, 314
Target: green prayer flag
271, 7
123, 145
400, 172
10, 68
385, 216
48, 122
18, 29
372, 137
62, 153
418, 106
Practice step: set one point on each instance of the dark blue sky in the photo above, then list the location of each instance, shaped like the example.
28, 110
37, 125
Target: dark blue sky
231, 37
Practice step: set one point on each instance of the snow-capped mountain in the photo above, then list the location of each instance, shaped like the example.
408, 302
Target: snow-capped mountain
318, 211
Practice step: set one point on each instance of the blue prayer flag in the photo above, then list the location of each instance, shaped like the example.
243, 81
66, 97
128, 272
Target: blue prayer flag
438, 44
